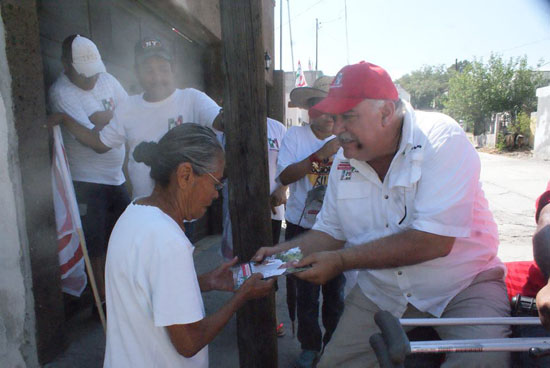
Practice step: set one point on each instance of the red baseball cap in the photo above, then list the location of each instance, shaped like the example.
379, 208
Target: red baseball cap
353, 84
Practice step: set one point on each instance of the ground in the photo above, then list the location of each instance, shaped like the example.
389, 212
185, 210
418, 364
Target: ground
511, 184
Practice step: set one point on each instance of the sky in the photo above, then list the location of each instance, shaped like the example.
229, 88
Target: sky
403, 35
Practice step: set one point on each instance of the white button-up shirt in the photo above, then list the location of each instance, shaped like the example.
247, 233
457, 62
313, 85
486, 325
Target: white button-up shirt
432, 185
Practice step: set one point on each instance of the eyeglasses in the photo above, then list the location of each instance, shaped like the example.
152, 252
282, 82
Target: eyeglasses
218, 185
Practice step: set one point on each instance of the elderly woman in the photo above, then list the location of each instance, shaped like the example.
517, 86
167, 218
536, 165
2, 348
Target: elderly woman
155, 310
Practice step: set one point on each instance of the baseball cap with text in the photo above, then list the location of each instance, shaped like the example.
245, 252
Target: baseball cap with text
86, 59
148, 47
355, 83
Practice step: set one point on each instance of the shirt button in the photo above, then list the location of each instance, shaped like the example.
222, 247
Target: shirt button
386, 196
399, 273
409, 295
387, 225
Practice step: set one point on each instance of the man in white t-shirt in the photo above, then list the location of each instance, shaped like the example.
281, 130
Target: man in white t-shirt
304, 164
89, 94
405, 207
148, 116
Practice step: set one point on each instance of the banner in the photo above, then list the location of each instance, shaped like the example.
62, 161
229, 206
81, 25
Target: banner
67, 219
300, 77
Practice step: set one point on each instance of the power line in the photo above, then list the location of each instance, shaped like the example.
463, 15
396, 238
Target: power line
301, 13
526, 44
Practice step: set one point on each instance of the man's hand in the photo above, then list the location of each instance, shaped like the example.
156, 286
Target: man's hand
329, 149
101, 118
55, 119
543, 306
255, 287
220, 278
324, 267
264, 252
277, 198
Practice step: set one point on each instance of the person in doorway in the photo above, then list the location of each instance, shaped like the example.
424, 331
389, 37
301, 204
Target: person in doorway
154, 303
148, 116
405, 207
90, 95
304, 163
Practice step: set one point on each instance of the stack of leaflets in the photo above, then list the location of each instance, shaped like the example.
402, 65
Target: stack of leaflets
276, 265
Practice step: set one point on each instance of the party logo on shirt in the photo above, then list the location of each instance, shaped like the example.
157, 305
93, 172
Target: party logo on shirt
347, 170
273, 144
108, 104
174, 122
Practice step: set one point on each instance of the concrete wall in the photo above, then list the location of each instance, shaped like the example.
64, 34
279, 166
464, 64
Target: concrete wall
542, 132
17, 342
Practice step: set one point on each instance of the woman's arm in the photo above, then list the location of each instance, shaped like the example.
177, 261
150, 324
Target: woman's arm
189, 339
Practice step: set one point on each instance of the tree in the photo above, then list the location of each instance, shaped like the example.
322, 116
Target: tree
427, 86
497, 86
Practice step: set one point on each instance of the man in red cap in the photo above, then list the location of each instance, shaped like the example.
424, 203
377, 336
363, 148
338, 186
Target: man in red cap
404, 207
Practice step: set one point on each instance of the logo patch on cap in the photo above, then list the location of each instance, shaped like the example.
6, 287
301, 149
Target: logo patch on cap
150, 43
338, 80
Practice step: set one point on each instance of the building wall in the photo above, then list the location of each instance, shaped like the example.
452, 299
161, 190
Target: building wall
115, 26
542, 132
17, 341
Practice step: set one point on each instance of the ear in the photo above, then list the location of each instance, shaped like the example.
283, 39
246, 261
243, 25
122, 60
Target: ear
185, 175
387, 110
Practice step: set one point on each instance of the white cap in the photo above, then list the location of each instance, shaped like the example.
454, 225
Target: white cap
86, 58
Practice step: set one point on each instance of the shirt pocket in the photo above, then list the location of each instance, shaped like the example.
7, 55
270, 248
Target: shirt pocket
354, 207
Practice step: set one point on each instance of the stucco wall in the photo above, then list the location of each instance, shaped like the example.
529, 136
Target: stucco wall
542, 133
17, 342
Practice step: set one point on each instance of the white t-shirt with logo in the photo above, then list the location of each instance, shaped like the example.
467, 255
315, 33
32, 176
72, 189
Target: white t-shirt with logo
298, 143
139, 121
275, 134
85, 164
151, 283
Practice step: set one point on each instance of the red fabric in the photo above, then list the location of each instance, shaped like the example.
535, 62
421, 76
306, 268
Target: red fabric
355, 83
523, 278
542, 201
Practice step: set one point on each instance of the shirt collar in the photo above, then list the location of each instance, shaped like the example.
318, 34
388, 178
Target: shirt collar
407, 135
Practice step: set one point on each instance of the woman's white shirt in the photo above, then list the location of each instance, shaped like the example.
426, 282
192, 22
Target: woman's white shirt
150, 283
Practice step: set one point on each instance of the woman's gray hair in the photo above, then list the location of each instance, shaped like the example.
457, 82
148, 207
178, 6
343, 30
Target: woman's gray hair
187, 142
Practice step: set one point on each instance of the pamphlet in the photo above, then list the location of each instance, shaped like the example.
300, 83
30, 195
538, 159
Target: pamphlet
274, 266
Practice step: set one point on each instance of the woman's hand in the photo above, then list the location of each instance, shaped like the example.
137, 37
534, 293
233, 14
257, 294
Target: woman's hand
255, 287
220, 278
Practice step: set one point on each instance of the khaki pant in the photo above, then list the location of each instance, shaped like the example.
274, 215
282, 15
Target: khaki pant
485, 297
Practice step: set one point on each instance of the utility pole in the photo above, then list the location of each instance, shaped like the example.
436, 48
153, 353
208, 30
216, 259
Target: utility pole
316, 45
280, 35
290, 32
346, 21
245, 124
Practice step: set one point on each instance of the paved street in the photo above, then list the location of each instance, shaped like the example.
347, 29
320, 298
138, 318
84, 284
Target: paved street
511, 185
